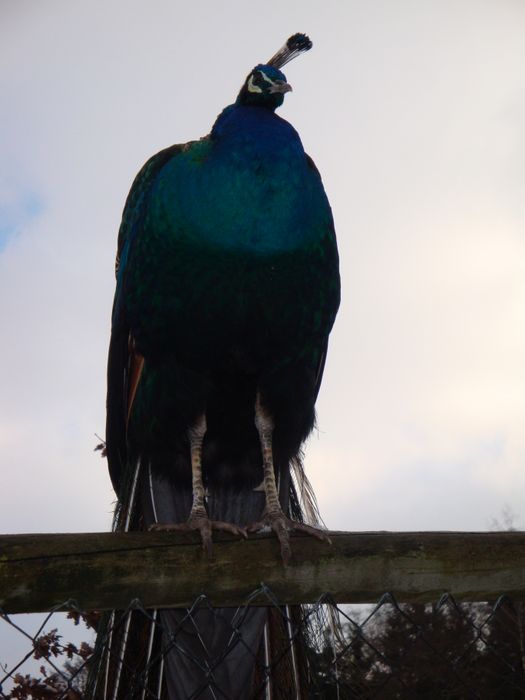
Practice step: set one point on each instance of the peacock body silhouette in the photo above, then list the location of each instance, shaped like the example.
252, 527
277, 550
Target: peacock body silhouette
227, 289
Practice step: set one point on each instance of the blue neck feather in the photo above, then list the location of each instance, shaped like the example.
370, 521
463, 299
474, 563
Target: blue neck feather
254, 163
239, 124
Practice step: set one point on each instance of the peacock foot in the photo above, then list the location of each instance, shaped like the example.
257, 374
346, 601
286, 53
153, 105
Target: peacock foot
200, 521
282, 525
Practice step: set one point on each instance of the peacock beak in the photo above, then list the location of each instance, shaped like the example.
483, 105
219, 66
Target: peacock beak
281, 86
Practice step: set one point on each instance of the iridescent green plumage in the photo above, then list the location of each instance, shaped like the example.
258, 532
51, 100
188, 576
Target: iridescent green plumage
228, 268
227, 289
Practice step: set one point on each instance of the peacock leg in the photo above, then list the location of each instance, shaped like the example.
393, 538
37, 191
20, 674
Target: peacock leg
272, 514
198, 518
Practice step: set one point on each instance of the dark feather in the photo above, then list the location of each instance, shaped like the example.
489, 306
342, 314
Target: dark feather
227, 289
296, 44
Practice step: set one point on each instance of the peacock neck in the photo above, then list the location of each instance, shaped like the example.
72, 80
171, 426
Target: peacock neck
247, 189
254, 127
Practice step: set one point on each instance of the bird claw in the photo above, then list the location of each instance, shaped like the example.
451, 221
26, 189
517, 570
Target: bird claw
204, 525
282, 526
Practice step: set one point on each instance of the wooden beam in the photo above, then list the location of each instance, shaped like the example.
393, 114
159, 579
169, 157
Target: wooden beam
102, 571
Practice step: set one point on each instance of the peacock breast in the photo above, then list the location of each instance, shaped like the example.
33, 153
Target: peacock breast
237, 229
244, 194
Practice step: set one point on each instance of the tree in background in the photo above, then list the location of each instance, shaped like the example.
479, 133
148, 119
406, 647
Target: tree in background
448, 650
69, 681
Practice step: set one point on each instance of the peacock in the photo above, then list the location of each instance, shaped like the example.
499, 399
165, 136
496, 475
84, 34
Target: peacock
227, 287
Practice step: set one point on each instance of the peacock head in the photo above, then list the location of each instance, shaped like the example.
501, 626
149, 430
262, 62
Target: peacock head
266, 86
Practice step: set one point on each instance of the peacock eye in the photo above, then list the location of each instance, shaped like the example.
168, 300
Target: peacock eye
254, 82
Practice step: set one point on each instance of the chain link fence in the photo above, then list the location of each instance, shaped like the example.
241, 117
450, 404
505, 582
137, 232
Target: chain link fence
388, 650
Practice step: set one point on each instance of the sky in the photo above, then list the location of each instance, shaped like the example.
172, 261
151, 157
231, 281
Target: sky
413, 112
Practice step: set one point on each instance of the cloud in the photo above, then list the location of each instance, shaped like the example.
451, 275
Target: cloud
414, 115
18, 206
414, 119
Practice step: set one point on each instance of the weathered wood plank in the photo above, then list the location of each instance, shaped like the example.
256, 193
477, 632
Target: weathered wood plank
106, 570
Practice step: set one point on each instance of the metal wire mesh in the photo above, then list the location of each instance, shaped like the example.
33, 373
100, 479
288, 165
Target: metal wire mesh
388, 650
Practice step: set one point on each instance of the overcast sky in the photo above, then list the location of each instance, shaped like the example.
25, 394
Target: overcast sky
413, 112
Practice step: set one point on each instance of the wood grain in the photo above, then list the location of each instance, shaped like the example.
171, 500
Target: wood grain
101, 571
